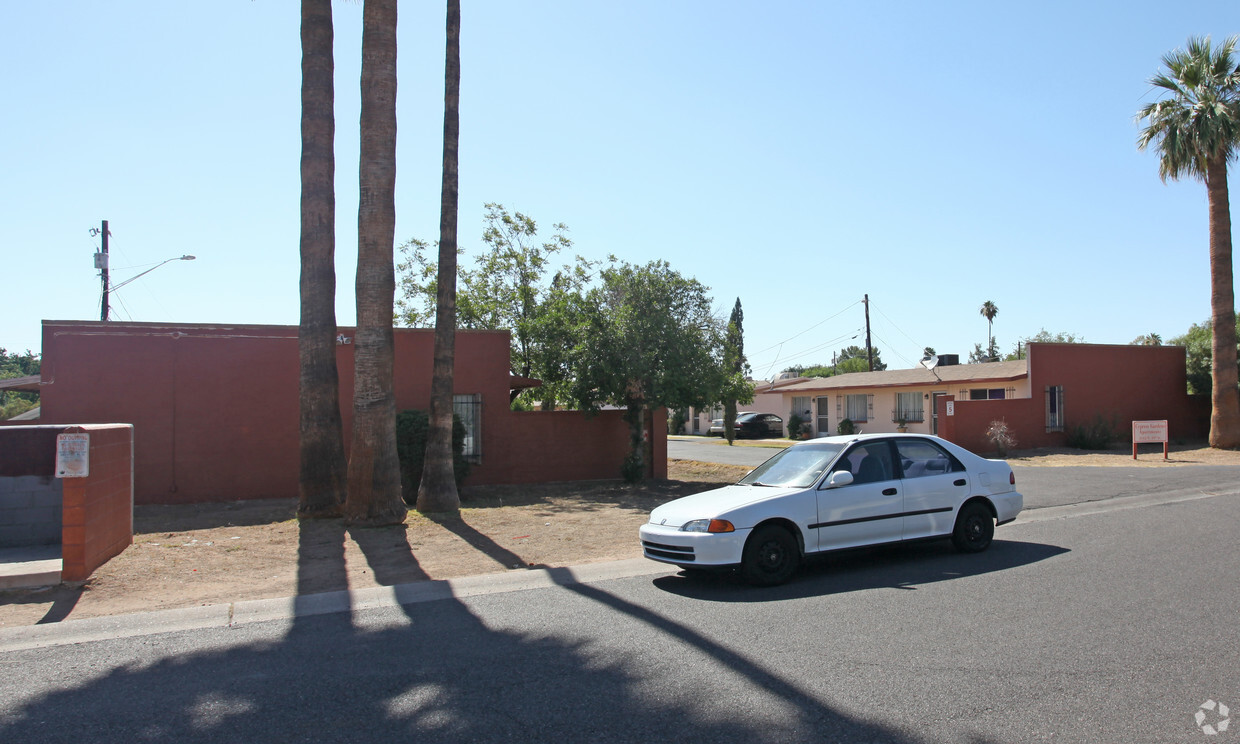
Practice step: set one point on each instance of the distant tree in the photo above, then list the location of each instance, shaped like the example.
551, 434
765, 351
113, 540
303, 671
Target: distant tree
734, 366
982, 356
855, 359
1148, 339
1196, 131
928, 353
989, 311
644, 338
1042, 337
1197, 343
16, 402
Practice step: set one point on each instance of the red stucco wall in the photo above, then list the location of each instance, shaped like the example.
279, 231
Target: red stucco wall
1121, 384
215, 410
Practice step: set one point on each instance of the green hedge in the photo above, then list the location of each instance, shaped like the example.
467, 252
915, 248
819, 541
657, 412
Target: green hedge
411, 431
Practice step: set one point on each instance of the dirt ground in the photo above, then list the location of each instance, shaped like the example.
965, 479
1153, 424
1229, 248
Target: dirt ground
218, 553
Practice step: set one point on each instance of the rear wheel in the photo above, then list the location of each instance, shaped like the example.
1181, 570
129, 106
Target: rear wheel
975, 528
771, 556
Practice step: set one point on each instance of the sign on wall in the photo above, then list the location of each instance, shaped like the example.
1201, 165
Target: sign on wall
72, 455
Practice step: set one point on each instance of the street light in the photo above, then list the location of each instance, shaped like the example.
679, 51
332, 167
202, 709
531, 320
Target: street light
107, 291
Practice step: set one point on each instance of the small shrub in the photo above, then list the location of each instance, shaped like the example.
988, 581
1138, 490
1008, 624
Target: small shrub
676, 421
795, 424
1001, 436
1096, 436
845, 427
412, 428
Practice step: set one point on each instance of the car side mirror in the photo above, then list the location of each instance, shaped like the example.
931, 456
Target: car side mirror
839, 478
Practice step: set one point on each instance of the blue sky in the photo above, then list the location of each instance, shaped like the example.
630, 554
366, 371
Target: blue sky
798, 155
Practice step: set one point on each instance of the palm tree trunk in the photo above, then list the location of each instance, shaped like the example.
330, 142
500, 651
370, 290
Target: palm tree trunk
437, 492
374, 496
1225, 411
321, 480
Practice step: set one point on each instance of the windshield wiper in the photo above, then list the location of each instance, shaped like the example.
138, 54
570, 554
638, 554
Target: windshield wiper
765, 485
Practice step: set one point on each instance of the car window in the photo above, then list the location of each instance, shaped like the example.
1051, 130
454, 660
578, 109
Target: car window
798, 466
920, 458
869, 463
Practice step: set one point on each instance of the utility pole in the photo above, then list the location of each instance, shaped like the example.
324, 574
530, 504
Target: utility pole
101, 263
869, 350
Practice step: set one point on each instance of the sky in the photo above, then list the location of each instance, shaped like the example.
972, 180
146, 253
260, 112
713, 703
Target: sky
797, 155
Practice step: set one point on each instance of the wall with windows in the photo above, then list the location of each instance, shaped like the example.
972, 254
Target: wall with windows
215, 407
1079, 385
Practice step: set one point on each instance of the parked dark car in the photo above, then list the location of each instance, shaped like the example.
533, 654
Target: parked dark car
751, 425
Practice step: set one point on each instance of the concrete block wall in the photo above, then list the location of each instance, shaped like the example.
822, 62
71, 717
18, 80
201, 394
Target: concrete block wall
95, 513
30, 511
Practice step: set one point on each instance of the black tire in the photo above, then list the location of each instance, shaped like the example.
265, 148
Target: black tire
975, 528
771, 556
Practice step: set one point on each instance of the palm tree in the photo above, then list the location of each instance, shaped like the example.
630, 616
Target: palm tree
1195, 131
437, 492
374, 496
321, 480
989, 311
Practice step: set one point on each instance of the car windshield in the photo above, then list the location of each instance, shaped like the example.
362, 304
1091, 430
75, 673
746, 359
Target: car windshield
795, 467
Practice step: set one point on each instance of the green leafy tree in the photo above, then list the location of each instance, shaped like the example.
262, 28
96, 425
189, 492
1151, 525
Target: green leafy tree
982, 356
1147, 339
1197, 343
509, 289
1195, 130
16, 402
644, 338
927, 353
1043, 336
855, 359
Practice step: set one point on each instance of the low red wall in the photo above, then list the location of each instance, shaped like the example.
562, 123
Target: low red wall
215, 407
98, 509
1120, 384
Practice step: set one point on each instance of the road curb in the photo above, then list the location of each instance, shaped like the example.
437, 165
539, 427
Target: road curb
286, 608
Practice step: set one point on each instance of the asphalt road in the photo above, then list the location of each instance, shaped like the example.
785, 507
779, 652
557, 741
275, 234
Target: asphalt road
1115, 625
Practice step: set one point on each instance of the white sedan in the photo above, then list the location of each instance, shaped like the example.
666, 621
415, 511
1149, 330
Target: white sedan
832, 494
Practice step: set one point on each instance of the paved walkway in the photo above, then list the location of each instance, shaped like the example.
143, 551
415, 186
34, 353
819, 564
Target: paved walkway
24, 568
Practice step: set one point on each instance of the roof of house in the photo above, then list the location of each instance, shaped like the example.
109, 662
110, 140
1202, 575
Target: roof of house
918, 376
20, 383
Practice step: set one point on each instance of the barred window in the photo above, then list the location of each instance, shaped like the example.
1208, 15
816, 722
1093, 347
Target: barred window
1054, 408
468, 408
858, 407
908, 407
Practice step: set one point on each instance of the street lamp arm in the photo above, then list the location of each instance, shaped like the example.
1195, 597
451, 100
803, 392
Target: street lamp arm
156, 266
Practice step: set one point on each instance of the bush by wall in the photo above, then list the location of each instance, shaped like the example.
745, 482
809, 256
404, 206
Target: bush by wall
1096, 436
412, 428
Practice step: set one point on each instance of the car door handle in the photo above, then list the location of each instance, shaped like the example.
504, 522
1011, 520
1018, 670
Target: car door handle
889, 492
960, 482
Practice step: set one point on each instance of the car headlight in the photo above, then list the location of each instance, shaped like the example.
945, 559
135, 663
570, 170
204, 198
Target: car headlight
707, 525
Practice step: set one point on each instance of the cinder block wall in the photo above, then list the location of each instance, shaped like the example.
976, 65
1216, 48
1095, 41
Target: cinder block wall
30, 511
92, 517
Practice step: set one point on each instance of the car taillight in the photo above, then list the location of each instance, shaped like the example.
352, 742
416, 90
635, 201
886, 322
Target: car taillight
1012, 477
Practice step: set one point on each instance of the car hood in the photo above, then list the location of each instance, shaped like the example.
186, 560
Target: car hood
711, 504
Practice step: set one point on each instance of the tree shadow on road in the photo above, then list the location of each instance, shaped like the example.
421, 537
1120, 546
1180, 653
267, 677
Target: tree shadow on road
573, 662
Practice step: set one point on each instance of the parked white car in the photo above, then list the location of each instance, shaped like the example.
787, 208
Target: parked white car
836, 493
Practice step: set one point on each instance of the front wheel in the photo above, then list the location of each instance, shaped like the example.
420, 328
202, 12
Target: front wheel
975, 528
771, 556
